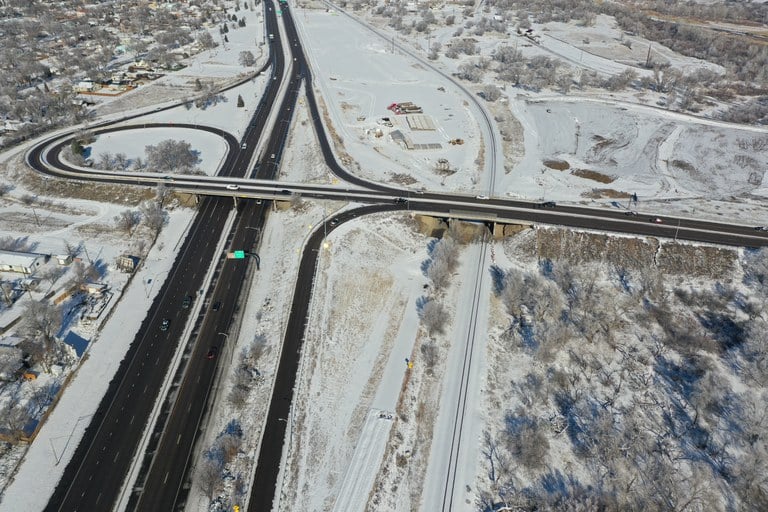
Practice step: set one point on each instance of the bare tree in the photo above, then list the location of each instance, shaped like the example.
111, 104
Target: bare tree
15, 416
82, 274
470, 72
247, 59
209, 477
7, 288
162, 193
434, 317
121, 161
127, 220
106, 161
153, 216
429, 354
41, 321
70, 249
229, 445
172, 156
439, 273
490, 92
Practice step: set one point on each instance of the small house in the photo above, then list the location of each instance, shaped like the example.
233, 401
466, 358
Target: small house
127, 263
21, 262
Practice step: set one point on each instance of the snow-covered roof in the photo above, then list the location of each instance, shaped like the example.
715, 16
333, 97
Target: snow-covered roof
14, 258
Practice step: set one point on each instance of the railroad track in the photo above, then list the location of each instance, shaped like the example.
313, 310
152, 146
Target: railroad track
461, 405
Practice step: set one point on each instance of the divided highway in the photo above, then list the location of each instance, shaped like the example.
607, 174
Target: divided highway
93, 479
95, 476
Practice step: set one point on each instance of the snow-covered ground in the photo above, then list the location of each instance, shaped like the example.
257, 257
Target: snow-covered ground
28, 476
52, 449
365, 318
615, 144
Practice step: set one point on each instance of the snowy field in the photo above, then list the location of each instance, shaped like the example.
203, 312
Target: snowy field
358, 404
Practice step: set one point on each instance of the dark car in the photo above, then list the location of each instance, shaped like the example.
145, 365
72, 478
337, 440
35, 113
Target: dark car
212, 353
400, 200
549, 204
165, 324
630, 212
216, 305
186, 302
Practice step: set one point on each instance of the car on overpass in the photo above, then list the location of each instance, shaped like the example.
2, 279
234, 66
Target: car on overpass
232, 186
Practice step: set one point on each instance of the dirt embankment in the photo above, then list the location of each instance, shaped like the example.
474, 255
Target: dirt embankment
636, 253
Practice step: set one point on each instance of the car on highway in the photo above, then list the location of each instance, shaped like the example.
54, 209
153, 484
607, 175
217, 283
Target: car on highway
761, 228
399, 200
186, 302
212, 353
244, 145
549, 204
165, 324
285, 191
272, 156
655, 220
481, 196
630, 212
334, 222
216, 305
232, 186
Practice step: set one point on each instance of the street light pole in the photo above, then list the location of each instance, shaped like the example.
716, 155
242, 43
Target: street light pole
232, 349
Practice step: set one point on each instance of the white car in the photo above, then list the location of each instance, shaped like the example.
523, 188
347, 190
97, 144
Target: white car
481, 197
232, 187
244, 146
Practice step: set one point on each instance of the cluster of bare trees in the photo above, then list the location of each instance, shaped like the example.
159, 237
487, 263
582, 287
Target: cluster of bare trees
637, 378
166, 156
215, 462
247, 373
745, 60
442, 261
172, 156
150, 213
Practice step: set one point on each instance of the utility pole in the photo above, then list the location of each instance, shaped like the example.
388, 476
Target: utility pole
648, 58
37, 220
